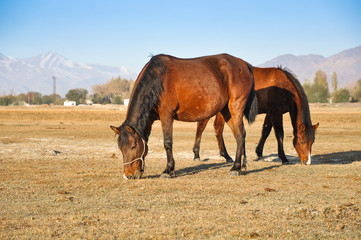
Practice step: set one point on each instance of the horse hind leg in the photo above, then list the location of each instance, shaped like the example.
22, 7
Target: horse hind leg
218, 128
241, 160
201, 125
237, 127
244, 164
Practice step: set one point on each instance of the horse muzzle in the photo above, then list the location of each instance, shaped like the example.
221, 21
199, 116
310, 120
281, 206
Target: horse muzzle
137, 175
306, 160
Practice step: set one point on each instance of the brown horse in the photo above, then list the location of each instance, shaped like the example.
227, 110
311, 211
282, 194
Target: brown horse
278, 92
189, 90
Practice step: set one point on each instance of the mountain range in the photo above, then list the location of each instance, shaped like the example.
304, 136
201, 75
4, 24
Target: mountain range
346, 64
36, 73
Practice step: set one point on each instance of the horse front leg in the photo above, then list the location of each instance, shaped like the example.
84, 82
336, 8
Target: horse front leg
201, 125
277, 122
218, 128
266, 129
167, 127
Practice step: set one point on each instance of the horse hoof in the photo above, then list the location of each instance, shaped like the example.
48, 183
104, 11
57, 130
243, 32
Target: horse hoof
165, 175
168, 175
285, 162
234, 173
197, 159
229, 160
259, 158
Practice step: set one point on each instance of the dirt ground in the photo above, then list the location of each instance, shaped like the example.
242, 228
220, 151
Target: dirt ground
60, 178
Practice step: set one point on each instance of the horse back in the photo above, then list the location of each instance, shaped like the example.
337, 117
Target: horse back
275, 91
204, 84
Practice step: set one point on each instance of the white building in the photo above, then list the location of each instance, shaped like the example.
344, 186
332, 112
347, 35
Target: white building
126, 102
69, 103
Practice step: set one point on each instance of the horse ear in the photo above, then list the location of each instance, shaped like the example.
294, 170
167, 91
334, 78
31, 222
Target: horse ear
302, 127
115, 129
315, 126
130, 129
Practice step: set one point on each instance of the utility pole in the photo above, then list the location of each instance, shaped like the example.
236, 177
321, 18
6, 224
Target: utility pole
54, 90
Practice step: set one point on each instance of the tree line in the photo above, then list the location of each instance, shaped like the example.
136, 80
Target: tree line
118, 89
31, 98
112, 92
318, 91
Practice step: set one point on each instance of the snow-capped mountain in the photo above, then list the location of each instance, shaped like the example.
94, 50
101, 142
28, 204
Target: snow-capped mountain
36, 74
346, 64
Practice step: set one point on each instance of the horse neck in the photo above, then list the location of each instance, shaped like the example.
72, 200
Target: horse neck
300, 115
145, 96
138, 115
299, 111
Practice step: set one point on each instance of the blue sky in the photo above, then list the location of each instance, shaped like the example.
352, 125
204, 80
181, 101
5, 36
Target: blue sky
126, 32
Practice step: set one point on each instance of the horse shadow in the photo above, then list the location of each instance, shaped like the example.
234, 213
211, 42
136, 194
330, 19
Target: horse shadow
337, 158
273, 158
188, 171
195, 169
330, 158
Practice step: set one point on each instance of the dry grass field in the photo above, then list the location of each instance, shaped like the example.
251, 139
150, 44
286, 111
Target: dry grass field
60, 178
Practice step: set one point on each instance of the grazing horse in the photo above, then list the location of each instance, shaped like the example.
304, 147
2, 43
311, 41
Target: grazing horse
188, 90
278, 92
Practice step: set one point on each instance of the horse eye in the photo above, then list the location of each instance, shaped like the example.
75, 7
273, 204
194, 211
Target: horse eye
134, 146
302, 142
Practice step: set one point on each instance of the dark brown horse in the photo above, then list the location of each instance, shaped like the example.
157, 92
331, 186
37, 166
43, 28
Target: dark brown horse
189, 90
278, 92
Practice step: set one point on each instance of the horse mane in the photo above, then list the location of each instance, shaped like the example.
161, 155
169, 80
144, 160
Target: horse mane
306, 117
146, 95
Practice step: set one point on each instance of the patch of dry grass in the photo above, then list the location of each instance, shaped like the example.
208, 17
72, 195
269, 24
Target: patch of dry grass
60, 177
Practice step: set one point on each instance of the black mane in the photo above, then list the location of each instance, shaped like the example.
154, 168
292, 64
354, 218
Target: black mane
306, 118
145, 95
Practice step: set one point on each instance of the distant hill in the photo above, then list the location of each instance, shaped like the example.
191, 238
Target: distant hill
36, 74
346, 64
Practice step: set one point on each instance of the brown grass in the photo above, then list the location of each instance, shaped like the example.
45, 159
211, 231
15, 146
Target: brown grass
60, 177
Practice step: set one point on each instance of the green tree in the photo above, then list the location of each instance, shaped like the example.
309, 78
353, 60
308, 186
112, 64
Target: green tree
46, 99
118, 100
58, 99
307, 87
334, 81
100, 99
7, 100
342, 95
114, 91
356, 93
21, 98
318, 91
33, 98
78, 95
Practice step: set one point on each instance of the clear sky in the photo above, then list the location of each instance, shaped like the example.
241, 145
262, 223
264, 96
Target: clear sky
125, 33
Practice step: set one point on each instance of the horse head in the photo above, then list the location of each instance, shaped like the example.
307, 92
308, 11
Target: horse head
303, 142
134, 150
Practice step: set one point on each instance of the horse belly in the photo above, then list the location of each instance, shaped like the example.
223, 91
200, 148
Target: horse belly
198, 109
200, 101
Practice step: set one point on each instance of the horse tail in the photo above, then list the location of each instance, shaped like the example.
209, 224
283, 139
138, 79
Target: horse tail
251, 109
